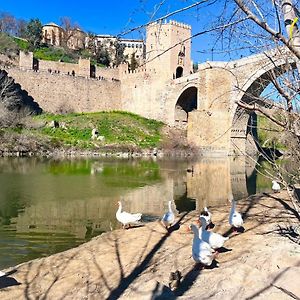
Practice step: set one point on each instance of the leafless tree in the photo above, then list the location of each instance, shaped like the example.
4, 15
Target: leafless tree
8, 23
69, 28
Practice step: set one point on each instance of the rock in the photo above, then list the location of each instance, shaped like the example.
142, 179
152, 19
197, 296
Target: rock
101, 138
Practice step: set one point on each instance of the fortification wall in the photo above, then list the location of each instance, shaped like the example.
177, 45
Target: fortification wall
58, 67
107, 73
58, 93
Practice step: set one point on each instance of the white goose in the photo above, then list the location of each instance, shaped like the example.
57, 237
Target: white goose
201, 251
215, 240
206, 215
275, 186
235, 218
168, 218
125, 217
2, 274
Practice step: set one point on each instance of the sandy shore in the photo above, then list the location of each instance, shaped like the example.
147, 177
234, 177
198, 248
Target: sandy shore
136, 263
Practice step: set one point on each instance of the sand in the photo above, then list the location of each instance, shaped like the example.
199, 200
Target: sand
263, 262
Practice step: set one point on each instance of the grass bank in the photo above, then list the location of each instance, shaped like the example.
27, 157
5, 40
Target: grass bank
118, 130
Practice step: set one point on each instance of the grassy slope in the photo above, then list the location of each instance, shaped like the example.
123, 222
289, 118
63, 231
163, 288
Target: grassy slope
55, 54
118, 129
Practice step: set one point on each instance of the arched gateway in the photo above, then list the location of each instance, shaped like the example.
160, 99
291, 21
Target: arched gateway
187, 102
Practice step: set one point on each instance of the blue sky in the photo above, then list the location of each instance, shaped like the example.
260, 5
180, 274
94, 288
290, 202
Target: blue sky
113, 17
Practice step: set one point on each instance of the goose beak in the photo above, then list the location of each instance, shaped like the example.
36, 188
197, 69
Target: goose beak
188, 229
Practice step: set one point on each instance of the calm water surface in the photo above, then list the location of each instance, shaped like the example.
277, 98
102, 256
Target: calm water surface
47, 206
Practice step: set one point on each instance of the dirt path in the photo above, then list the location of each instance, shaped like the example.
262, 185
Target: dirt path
136, 263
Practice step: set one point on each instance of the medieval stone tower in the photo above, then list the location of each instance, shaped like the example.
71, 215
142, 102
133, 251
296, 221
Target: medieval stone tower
169, 49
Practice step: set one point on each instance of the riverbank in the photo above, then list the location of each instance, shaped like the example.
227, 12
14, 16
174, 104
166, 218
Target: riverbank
136, 263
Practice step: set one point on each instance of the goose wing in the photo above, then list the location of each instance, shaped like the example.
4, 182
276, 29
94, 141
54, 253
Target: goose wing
2, 274
237, 220
168, 217
125, 217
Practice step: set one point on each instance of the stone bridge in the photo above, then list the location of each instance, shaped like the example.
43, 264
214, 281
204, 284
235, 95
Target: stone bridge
207, 101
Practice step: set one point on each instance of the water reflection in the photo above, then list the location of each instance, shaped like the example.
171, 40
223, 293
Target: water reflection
49, 206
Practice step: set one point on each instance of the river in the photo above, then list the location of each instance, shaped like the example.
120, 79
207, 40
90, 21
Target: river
47, 206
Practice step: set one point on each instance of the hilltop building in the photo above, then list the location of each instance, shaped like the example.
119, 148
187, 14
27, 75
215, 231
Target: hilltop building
55, 35
52, 34
131, 46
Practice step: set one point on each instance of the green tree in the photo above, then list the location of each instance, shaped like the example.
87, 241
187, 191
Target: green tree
70, 28
133, 62
119, 53
102, 55
7, 23
33, 33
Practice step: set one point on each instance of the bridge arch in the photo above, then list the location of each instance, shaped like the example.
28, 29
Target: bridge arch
244, 123
186, 101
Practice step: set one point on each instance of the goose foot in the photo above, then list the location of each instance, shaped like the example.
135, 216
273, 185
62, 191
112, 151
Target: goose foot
234, 230
210, 226
200, 266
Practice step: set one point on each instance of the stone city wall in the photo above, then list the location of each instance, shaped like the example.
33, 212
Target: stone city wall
58, 67
57, 93
112, 73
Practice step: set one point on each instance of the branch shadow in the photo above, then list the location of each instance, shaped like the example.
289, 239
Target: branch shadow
191, 277
272, 284
7, 281
284, 204
127, 280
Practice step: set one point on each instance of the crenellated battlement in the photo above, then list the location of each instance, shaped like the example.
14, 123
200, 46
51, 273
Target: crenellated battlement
139, 71
179, 24
171, 22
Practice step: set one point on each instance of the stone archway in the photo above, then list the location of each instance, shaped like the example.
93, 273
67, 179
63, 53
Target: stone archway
186, 103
